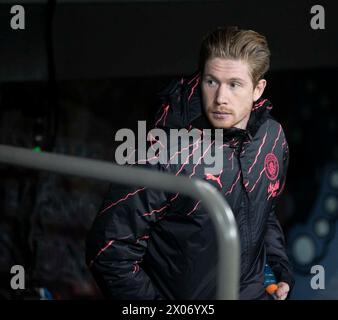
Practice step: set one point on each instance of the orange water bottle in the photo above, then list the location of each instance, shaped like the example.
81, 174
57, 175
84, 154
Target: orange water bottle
270, 282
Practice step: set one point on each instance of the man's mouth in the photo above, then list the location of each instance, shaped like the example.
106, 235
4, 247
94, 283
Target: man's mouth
220, 115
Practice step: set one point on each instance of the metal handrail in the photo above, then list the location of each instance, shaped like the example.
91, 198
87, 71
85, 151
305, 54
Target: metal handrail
213, 201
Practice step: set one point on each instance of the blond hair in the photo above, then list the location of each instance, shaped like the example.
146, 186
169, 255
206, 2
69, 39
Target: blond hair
236, 44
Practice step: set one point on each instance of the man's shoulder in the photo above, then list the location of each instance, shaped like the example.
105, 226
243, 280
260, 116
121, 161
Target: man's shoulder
271, 131
274, 125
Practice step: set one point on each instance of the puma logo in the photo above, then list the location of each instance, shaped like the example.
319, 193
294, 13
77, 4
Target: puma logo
210, 176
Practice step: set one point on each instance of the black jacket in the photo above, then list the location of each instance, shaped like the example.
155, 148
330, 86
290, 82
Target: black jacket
150, 244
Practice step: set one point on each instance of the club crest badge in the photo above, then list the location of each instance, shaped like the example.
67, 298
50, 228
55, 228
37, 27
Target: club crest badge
271, 166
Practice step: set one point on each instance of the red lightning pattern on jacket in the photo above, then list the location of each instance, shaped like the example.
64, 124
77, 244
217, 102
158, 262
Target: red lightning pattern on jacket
165, 112
258, 153
254, 186
233, 185
193, 88
200, 158
279, 132
122, 199
105, 248
195, 208
258, 105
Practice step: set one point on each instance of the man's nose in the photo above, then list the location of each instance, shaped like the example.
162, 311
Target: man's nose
222, 95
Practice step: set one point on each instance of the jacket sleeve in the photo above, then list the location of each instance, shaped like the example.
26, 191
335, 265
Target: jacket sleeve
118, 239
274, 237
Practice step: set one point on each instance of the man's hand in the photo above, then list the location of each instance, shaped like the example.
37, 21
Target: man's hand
282, 291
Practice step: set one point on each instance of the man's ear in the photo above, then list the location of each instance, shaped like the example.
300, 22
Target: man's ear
259, 89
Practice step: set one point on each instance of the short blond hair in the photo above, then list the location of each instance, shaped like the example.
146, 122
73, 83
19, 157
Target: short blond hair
236, 44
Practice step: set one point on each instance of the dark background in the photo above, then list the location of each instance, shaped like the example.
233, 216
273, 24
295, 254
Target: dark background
83, 69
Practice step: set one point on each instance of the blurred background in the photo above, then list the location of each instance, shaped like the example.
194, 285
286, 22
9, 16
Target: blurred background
82, 69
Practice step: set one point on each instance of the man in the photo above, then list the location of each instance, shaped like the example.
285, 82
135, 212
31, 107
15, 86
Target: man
149, 244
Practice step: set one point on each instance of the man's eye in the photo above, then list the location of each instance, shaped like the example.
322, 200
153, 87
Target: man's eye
235, 84
211, 83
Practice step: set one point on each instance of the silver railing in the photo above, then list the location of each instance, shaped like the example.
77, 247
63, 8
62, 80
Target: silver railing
213, 201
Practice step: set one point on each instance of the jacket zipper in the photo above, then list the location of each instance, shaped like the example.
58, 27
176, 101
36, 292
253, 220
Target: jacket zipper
244, 205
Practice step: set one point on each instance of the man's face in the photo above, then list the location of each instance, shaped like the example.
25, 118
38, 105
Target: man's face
228, 92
